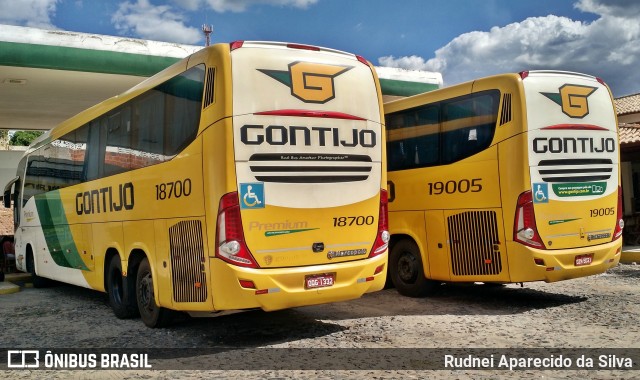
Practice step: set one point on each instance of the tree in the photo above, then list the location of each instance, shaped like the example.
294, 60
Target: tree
24, 138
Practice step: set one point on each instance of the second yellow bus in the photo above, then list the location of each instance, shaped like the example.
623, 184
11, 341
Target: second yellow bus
505, 179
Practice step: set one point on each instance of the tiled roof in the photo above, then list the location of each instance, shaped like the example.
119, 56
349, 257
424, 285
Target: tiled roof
627, 104
629, 133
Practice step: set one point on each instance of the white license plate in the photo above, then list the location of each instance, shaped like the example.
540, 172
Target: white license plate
319, 280
581, 260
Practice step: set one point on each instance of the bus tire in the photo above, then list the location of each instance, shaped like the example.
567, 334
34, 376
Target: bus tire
405, 267
122, 296
36, 281
151, 314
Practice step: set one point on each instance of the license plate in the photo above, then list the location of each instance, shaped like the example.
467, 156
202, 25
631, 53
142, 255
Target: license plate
319, 280
583, 259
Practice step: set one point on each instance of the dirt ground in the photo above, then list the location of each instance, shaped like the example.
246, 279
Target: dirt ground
390, 335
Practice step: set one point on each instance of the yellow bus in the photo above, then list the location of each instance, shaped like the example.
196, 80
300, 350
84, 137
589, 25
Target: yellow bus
506, 179
248, 175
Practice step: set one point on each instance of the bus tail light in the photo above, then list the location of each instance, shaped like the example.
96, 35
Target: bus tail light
235, 45
230, 245
524, 225
303, 47
383, 237
617, 232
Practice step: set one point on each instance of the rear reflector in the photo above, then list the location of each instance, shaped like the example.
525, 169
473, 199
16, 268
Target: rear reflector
362, 59
579, 127
235, 45
303, 47
310, 113
247, 284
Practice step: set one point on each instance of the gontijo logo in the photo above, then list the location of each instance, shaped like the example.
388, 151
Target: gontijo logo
309, 82
573, 99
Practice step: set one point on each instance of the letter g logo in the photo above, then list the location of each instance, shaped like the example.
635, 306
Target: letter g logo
573, 99
309, 82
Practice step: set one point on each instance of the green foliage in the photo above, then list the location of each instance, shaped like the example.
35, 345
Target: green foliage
24, 138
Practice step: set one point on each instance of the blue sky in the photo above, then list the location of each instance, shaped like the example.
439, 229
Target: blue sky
462, 39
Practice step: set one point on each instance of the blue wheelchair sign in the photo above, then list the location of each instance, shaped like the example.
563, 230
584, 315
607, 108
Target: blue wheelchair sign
251, 195
540, 193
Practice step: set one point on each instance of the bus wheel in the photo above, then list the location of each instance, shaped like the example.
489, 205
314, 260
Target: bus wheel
36, 281
121, 296
405, 266
151, 314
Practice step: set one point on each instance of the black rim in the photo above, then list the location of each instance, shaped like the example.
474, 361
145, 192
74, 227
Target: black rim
145, 294
116, 286
407, 268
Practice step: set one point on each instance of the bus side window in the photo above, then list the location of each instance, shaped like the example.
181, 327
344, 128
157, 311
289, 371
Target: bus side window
428, 143
468, 125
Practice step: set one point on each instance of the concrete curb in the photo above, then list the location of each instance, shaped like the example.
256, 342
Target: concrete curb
8, 287
13, 281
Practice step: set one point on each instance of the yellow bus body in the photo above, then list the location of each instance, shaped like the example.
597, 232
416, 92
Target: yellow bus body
310, 215
455, 212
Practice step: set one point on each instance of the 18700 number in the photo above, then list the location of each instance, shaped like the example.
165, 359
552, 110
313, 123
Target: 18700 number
177, 189
345, 221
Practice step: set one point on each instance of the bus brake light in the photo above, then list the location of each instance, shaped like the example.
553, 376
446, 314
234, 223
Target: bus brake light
383, 237
303, 47
525, 230
235, 45
617, 232
230, 238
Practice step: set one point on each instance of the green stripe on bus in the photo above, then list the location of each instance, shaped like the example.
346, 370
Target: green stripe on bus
56, 231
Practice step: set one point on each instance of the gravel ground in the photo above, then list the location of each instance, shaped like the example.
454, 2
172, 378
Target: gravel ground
599, 313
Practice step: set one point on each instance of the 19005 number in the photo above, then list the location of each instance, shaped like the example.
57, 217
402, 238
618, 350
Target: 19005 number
451, 187
595, 212
344, 221
175, 189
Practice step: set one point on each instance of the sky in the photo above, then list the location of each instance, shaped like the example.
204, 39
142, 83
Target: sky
461, 39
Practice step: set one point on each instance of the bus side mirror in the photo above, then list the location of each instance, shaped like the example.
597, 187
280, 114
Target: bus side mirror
6, 198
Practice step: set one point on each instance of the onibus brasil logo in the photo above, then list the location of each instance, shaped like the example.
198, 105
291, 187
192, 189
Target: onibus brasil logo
573, 99
309, 82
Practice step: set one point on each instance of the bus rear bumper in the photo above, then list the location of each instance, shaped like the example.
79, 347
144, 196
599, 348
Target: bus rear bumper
283, 288
528, 264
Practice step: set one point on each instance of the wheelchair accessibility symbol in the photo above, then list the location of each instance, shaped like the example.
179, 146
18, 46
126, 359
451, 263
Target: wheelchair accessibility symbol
541, 193
251, 195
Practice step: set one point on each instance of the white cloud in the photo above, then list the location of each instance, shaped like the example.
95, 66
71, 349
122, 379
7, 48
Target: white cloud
410, 63
221, 6
148, 21
608, 47
33, 13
